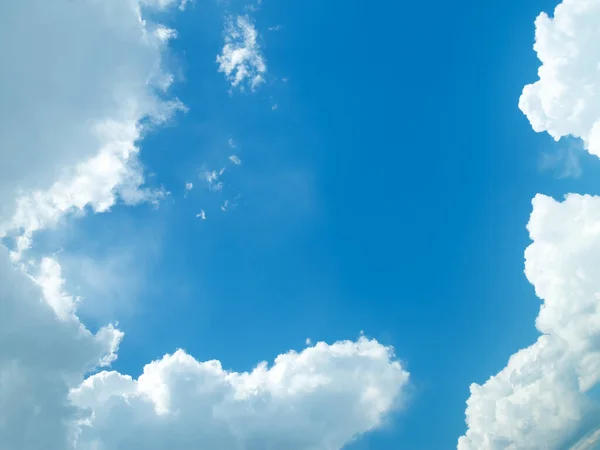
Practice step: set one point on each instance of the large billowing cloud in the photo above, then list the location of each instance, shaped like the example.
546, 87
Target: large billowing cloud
78, 77
540, 399
545, 397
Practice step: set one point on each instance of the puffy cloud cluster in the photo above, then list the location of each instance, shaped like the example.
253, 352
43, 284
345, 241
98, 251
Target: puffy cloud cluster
545, 396
320, 398
241, 59
78, 79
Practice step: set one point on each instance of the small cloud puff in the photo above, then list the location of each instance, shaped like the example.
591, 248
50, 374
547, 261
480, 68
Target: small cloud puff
241, 59
235, 159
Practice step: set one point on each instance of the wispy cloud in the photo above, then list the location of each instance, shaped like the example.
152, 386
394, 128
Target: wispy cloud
235, 160
212, 178
564, 162
241, 59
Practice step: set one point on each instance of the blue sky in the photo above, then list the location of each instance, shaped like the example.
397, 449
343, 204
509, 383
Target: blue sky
412, 177
417, 172
377, 178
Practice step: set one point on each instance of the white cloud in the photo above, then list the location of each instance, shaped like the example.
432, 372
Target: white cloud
50, 280
539, 400
235, 159
68, 141
241, 59
212, 178
96, 183
187, 188
225, 205
42, 355
201, 215
77, 76
165, 4
321, 398
566, 98
546, 395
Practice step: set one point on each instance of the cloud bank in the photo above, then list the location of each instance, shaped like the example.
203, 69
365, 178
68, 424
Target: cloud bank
78, 78
545, 397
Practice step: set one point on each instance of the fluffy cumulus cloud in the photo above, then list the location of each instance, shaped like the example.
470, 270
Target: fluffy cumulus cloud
542, 398
320, 398
79, 80
241, 60
565, 101
547, 395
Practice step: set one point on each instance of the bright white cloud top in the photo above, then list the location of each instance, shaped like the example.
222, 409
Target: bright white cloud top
545, 396
565, 101
241, 60
73, 101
